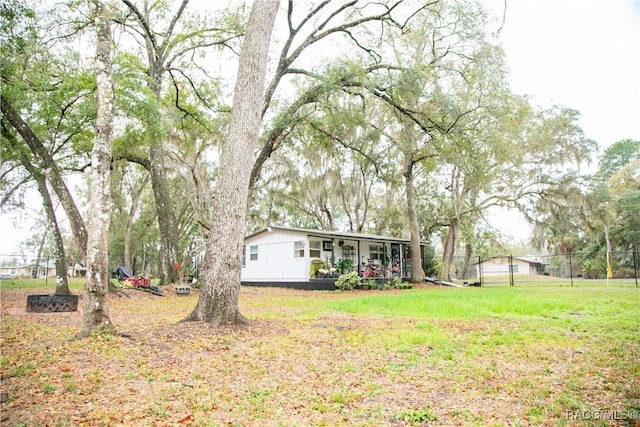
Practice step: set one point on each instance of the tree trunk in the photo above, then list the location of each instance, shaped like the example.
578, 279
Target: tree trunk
449, 250
417, 272
167, 229
220, 274
127, 247
468, 251
62, 284
96, 302
43, 240
169, 252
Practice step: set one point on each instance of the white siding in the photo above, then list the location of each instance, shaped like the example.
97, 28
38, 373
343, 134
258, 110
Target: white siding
275, 257
276, 260
500, 266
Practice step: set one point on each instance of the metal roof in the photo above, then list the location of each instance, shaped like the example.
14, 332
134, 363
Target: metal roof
334, 234
528, 259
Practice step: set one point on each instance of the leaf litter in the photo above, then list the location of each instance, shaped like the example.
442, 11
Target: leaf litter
330, 368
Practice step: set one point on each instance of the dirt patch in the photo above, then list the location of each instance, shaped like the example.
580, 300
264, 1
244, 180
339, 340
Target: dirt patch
329, 368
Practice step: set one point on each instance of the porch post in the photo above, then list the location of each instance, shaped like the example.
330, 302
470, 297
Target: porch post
358, 259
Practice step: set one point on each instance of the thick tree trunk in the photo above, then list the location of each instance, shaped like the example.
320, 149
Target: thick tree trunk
169, 252
220, 274
96, 302
417, 272
468, 251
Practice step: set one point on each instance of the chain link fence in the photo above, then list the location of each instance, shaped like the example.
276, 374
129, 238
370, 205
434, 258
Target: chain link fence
26, 266
571, 269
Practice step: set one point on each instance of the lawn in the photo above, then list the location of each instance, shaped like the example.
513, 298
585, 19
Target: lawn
429, 356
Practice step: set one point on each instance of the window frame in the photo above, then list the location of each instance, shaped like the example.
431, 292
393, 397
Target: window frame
253, 252
299, 247
315, 249
379, 252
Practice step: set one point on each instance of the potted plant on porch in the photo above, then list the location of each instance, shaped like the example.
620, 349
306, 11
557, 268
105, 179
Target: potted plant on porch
344, 265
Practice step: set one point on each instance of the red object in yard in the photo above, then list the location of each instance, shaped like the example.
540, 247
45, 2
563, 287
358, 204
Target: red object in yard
124, 275
138, 282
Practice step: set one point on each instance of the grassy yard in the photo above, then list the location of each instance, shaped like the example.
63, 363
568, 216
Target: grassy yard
521, 280
551, 355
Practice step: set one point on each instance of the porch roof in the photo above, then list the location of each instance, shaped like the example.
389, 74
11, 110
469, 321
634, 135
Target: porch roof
335, 235
527, 259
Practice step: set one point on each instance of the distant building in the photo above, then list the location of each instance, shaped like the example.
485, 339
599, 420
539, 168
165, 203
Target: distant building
504, 265
40, 271
76, 271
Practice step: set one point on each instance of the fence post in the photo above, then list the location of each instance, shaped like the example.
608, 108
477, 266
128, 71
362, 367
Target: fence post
570, 269
511, 270
46, 272
635, 266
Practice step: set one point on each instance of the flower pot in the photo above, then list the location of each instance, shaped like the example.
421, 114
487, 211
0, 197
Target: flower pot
183, 289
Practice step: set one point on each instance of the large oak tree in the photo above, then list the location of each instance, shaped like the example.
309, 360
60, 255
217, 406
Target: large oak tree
220, 275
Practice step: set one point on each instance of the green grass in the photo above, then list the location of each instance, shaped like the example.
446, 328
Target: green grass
473, 356
525, 280
50, 283
530, 318
475, 303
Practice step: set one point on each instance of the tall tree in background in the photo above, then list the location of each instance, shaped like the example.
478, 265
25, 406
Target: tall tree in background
350, 24
618, 177
52, 128
432, 63
220, 275
96, 301
328, 168
164, 49
127, 189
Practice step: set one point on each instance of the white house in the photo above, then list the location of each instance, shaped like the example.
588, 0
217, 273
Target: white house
503, 265
39, 271
280, 254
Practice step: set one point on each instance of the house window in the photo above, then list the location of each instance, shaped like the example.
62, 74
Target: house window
298, 249
244, 256
375, 252
253, 253
513, 268
315, 248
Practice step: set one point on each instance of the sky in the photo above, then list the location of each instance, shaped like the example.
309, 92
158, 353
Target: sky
582, 54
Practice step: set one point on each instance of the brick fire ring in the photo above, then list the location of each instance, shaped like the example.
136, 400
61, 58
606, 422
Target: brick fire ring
51, 303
